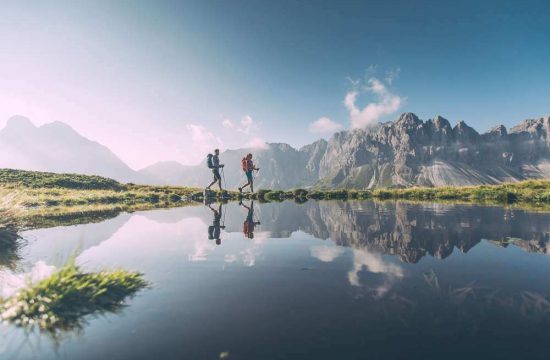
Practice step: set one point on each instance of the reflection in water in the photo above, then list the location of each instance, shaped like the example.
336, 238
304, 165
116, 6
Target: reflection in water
214, 230
10, 244
11, 283
374, 264
58, 301
326, 253
250, 222
320, 280
410, 231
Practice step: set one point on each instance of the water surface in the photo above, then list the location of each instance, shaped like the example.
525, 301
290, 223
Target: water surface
320, 280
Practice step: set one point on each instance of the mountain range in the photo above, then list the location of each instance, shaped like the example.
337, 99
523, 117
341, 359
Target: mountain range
404, 152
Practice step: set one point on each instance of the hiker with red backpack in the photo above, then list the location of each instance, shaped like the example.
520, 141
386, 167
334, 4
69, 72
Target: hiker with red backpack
248, 167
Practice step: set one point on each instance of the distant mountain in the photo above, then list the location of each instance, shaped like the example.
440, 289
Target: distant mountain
401, 153
281, 167
432, 153
56, 147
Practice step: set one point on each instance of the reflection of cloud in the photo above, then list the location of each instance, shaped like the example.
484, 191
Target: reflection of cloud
11, 283
230, 258
201, 249
253, 252
374, 264
326, 253
249, 255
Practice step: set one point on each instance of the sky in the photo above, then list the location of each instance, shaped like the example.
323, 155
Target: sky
170, 80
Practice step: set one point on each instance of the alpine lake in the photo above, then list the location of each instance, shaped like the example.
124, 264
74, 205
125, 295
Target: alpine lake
284, 280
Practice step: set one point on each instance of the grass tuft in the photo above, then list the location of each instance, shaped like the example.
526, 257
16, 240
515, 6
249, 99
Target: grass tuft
61, 301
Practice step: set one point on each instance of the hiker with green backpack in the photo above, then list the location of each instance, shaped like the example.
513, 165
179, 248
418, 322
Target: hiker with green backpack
248, 167
213, 162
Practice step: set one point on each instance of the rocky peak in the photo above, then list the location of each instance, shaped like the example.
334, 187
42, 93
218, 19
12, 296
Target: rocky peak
463, 132
499, 131
440, 122
533, 129
19, 122
532, 125
408, 119
281, 147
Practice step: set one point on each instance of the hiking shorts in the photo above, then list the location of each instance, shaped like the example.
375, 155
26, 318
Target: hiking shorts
217, 175
249, 175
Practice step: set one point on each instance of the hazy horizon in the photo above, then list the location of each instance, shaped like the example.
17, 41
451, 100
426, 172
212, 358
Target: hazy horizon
169, 80
258, 146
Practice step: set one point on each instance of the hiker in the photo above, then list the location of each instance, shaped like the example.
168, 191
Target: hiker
214, 230
249, 223
248, 166
213, 162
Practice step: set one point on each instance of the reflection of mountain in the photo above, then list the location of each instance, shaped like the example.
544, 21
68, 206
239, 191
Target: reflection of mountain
60, 243
412, 231
408, 230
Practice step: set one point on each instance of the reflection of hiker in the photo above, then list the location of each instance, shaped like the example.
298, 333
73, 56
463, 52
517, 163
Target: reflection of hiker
215, 229
248, 166
249, 223
213, 162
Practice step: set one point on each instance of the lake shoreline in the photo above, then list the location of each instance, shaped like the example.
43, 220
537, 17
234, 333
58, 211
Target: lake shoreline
30, 197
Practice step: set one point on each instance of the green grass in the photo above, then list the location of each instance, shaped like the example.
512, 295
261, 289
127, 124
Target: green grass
61, 301
529, 192
41, 180
532, 193
29, 195
33, 193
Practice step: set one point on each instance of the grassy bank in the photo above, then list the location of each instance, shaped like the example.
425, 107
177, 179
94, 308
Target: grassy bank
530, 192
29, 195
30, 198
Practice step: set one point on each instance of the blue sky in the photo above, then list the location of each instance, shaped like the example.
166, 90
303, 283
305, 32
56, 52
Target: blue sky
164, 80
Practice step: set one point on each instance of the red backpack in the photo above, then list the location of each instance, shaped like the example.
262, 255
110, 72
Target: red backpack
244, 164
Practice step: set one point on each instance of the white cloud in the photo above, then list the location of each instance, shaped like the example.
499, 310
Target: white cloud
249, 128
391, 75
226, 123
326, 253
256, 143
247, 125
386, 103
203, 140
324, 125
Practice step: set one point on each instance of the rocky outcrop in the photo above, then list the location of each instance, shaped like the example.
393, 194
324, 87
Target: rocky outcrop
410, 152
